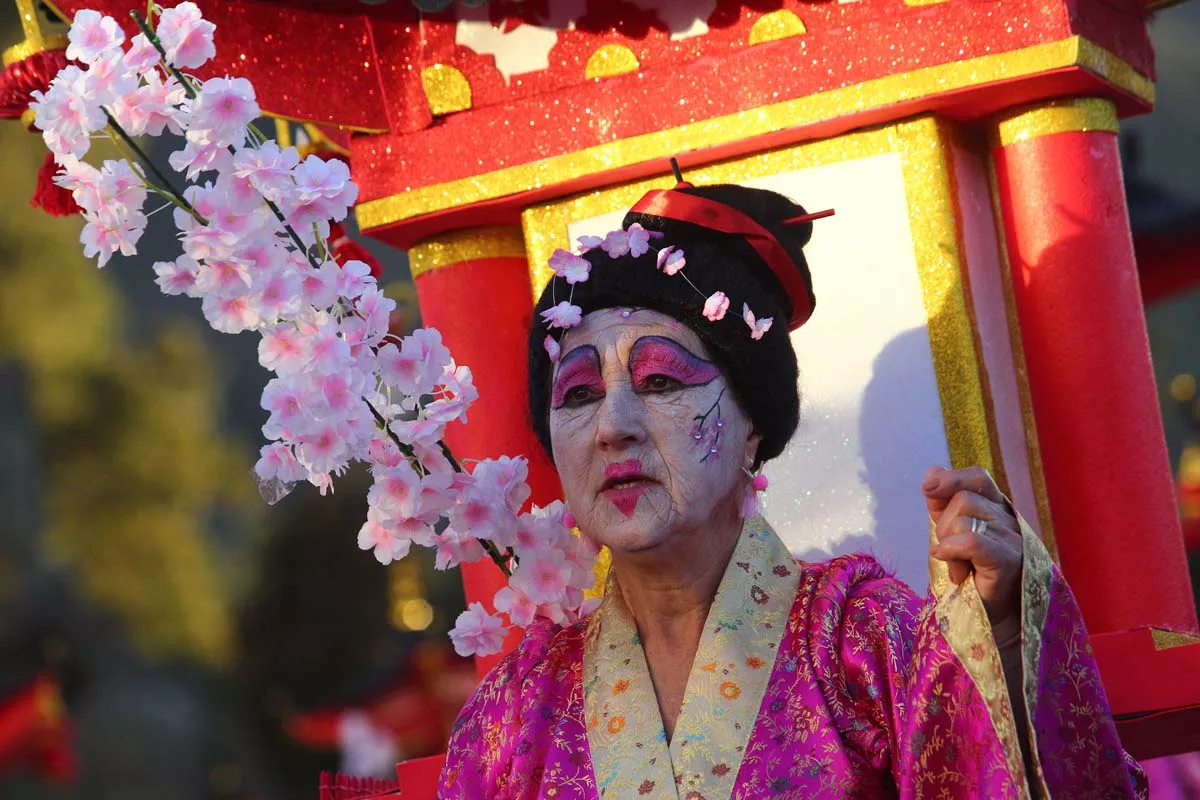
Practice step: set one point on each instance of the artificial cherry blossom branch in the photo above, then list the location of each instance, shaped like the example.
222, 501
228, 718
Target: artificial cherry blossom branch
128, 141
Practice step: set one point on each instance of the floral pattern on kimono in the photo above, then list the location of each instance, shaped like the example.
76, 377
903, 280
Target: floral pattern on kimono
851, 687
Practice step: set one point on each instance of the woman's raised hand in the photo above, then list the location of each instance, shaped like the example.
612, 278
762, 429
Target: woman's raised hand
976, 532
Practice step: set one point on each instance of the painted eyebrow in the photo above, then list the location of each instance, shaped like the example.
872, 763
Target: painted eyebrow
569, 366
679, 362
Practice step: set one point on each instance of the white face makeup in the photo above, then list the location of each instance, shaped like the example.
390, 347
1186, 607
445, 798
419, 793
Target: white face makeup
648, 440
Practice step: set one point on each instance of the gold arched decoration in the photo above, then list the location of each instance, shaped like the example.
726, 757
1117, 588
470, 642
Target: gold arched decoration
36, 39
776, 25
611, 59
446, 89
922, 2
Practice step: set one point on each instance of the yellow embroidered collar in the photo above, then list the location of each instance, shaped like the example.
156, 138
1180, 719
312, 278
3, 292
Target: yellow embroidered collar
725, 689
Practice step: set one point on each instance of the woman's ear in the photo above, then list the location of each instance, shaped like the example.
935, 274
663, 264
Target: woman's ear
750, 458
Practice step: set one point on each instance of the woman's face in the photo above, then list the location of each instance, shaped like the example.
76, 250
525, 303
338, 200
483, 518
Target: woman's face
648, 440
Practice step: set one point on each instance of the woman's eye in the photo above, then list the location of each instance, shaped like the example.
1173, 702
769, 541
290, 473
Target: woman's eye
660, 383
579, 395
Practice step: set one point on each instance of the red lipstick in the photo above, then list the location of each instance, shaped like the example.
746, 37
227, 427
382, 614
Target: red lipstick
624, 484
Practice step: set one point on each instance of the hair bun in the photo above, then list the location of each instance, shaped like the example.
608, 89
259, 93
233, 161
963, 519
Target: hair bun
765, 209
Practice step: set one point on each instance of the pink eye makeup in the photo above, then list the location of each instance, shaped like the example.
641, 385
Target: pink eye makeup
578, 380
660, 364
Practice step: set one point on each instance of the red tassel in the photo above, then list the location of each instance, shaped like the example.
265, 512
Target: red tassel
49, 196
345, 249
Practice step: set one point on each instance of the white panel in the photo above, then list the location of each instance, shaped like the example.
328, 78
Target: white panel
871, 420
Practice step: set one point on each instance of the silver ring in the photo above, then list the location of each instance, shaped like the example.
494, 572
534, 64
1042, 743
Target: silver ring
978, 525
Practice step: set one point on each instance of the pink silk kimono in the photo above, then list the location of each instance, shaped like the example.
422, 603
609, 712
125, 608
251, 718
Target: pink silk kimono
824, 679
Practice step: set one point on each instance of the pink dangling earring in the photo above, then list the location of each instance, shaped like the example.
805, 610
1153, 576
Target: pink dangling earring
751, 505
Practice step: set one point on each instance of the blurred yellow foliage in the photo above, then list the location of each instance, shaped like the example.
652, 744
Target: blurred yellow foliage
134, 459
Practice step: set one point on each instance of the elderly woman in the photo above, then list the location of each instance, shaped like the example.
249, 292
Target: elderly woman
717, 665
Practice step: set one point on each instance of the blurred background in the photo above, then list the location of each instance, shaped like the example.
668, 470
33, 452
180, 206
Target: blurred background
166, 634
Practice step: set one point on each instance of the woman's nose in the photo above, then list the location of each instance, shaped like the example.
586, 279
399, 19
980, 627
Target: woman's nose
620, 421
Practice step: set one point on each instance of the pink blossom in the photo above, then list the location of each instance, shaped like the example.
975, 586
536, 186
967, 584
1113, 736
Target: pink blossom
186, 37
415, 367
387, 543
374, 310
639, 240
616, 244
141, 57
107, 79
425, 432
563, 315
229, 314
396, 491
223, 277
329, 353
503, 479
567, 265
543, 576
715, 306
453, 395
436, 497
589, 243
340, 391
322, 449
276, 460
82, 180
66, 113
323, 191
477, 633
757, 327
277, 294
552, 348
104, 234
320, 285
224, 107
355, 278
520, 609
151, 108
383, 452
484, 518
267, 167
202, 152
283, 350
671, 260
454, 549
178, 276
284, 399
92, 36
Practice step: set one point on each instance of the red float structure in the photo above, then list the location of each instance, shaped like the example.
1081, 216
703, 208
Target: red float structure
483, 138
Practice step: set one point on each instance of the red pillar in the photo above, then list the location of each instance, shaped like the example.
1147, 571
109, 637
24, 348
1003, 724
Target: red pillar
474, 287
1075, 284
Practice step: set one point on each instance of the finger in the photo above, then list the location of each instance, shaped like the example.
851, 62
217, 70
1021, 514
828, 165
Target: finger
969, 504
933, 478
991, 547
951, 482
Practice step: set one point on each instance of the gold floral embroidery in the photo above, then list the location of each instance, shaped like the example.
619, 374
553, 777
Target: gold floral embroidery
725, 689
1036, 574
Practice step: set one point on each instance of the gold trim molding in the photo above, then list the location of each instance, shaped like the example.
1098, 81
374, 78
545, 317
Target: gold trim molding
1077, 114
471, 244
610, 60
796, 113
774, 25
1165, 640
447, 90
